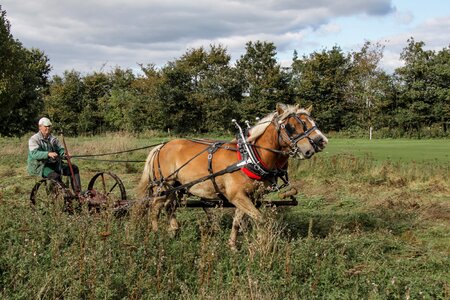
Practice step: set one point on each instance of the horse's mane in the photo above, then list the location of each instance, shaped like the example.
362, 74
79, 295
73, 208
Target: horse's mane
257, 130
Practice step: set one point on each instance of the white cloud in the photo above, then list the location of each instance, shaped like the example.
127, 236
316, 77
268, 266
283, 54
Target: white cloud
330, 28
84, 35
433, 32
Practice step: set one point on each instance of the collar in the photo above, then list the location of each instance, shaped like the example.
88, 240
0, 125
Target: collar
254, 167
48, 139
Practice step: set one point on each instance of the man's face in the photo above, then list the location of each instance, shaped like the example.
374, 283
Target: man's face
45, 130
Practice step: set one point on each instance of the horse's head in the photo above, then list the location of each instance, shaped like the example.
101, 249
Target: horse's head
298, 132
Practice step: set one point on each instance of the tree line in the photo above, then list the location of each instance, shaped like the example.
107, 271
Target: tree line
202, 90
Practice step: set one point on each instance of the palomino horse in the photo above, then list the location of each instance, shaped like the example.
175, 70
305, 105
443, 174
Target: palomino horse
287, 132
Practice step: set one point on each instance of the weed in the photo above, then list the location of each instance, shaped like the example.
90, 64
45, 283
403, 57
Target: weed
364, 228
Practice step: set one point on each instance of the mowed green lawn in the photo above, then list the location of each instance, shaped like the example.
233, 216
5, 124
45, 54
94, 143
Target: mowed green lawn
406, 150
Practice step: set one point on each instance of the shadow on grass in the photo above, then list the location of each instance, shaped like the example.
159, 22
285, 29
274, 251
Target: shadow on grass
318, 223
322, 223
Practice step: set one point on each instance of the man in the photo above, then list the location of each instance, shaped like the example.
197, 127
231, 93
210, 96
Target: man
44, 156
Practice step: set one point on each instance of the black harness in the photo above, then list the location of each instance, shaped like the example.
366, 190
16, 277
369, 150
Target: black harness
211, 150
249, 158
292, 140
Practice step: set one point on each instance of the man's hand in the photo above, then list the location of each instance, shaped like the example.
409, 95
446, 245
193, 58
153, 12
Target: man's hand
53, 155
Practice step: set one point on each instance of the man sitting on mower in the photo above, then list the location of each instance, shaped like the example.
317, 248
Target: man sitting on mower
45, 152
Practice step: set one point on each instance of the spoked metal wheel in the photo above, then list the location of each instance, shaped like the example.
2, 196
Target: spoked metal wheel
106, 189
51, 195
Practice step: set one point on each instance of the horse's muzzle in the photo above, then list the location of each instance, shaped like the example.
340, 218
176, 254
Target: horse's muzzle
319, 143
309, 153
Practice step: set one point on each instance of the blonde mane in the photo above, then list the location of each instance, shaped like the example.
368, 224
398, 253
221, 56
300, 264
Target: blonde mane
257, 130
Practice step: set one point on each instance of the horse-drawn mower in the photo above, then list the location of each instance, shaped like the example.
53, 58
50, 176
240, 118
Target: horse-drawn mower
205, 173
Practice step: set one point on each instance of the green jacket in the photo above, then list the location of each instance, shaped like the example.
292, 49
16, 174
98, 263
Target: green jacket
38, 149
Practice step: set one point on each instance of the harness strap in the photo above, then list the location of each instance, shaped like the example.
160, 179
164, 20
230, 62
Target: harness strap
159, 165
187, 186
211, 150
155, 182
187, 162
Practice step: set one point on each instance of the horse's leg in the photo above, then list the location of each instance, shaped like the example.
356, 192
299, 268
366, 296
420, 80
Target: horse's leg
155, 210
243, 206
237, 219
171, 207
243, 202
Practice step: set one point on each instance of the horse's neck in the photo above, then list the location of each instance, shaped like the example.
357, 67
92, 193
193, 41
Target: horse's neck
269, 140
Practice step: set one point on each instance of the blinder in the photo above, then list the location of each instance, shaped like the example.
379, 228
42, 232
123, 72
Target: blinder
292, 140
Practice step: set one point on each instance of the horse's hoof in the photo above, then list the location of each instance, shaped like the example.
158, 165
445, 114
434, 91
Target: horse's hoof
232, 246
173, 233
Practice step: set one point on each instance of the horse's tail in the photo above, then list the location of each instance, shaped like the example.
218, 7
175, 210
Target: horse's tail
148, 173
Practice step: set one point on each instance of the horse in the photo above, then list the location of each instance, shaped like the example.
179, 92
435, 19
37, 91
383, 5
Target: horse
223, 170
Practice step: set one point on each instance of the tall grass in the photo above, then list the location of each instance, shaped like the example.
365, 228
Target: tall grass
98, 256
363, 230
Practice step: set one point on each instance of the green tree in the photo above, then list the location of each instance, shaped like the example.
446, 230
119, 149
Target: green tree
440, 72
265, 83
23, 80
96, 87
321, 79
149, 112
12, 59
181, 113
370, 91
64, 103
197, 91
26, 110
218, 91
118, 106
423, 86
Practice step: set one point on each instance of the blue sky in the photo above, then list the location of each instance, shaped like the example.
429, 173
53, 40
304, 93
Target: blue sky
95, 35
410, 19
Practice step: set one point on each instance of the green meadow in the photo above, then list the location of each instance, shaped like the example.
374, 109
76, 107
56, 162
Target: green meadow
372, 223
403, 150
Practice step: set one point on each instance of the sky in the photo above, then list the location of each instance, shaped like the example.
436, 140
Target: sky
99, 35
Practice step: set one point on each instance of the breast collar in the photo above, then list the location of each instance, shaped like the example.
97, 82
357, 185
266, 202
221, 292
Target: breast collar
253, 166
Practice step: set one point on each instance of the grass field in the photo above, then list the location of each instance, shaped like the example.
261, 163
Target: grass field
404, 150
373, 223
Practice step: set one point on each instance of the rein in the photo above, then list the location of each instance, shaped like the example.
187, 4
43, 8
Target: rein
118, 152
200, 141
88, 156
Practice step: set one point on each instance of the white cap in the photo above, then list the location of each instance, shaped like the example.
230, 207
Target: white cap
45, 121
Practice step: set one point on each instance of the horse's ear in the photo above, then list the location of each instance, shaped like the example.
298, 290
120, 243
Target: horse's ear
309, 109
280, 108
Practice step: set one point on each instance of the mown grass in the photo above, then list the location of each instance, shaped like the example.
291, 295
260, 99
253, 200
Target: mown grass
367, 227
399, 150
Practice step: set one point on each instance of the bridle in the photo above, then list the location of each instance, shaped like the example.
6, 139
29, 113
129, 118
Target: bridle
286, 137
